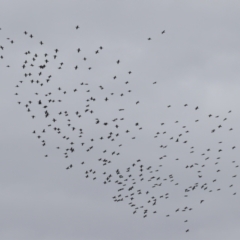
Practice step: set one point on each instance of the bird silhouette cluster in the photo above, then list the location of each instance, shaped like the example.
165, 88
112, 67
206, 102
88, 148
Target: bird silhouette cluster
93, 115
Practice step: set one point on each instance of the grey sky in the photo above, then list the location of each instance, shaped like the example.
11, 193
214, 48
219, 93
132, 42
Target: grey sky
195, 62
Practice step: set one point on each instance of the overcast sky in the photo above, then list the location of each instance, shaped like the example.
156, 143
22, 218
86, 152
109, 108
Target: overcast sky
195, 62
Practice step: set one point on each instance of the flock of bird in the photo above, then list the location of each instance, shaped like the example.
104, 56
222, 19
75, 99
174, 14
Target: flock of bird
141, 184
